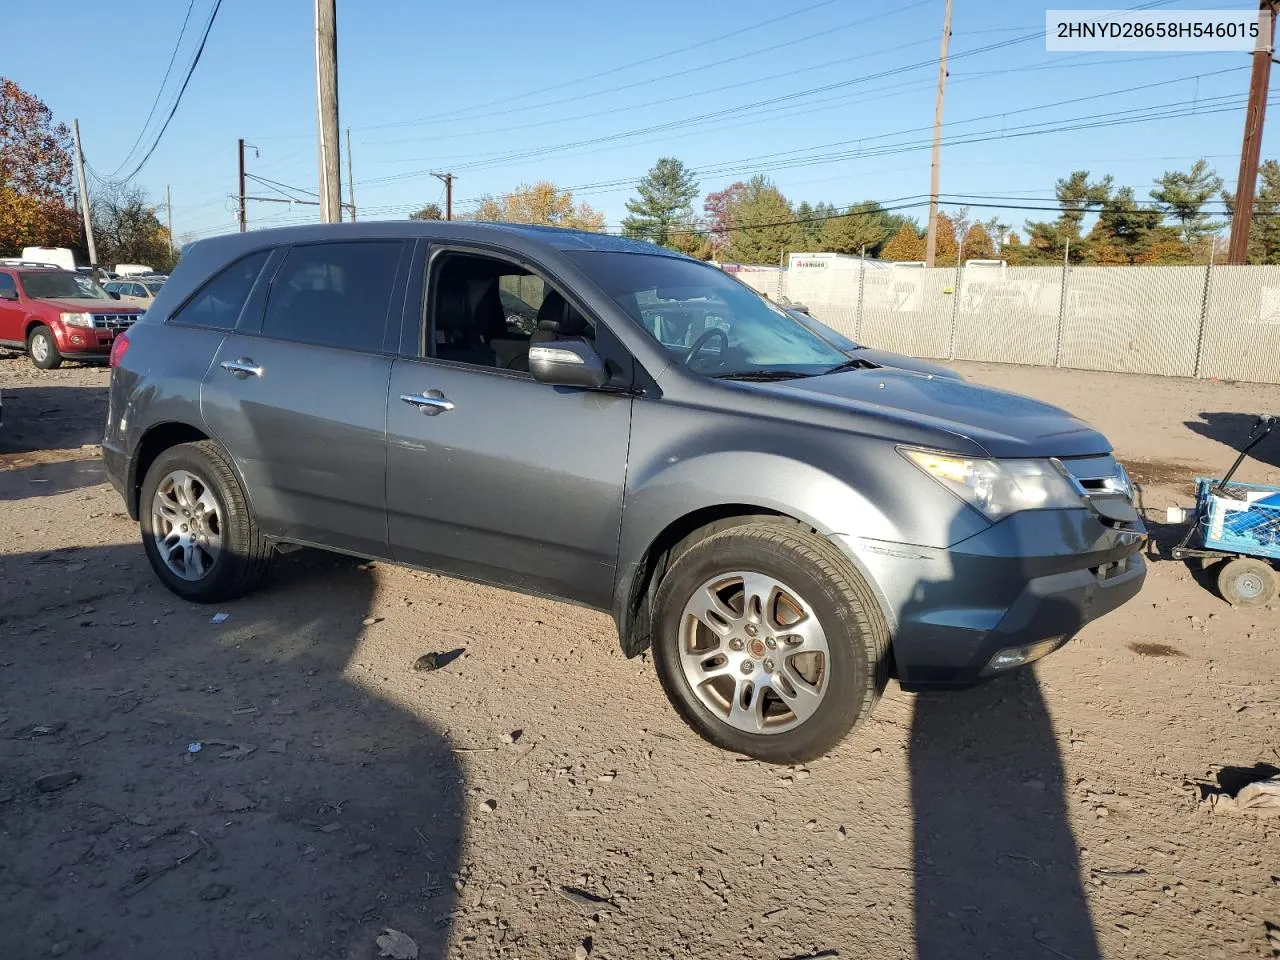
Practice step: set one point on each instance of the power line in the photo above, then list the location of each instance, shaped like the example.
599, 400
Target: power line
177, 100
156, 102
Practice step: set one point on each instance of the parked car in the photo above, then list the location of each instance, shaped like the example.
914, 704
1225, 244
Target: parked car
139, 292
57, 315
784, 526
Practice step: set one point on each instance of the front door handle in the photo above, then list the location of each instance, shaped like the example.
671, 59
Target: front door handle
431, 403
244, 367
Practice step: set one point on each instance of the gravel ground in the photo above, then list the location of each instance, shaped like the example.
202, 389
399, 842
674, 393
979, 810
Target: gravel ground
536, 797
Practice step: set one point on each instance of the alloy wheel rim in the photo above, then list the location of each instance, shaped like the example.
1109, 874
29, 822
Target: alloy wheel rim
187, 525
754, 652
40, 347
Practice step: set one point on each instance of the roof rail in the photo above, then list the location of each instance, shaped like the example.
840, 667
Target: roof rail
19, 262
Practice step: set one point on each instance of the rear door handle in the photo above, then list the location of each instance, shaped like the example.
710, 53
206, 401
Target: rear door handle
244, 367
431, 403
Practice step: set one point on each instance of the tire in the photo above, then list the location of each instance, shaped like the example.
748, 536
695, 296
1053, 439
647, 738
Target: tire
42, 348
803, 574
243, 555
1246, 582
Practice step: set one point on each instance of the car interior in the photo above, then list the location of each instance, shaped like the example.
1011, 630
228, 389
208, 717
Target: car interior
488, 312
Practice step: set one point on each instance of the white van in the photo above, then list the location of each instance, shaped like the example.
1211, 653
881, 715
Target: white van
132, 269
58, 256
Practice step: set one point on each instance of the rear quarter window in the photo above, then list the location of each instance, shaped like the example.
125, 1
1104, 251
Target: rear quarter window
218, 303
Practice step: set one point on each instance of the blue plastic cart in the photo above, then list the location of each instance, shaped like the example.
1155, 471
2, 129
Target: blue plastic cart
1239, 523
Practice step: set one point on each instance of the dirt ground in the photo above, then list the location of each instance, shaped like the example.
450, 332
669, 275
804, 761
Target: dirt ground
536, 797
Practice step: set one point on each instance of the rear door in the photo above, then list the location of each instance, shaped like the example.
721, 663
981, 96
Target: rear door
490, 474
298, 392
11, 313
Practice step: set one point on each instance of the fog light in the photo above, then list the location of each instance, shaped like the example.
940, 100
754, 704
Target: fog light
77, 340
1011, 657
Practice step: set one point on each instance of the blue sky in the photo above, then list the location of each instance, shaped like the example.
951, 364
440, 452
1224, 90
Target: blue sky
470, 87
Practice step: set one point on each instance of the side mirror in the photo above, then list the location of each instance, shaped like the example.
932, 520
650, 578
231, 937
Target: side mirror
8, 294
113, 294
567, 363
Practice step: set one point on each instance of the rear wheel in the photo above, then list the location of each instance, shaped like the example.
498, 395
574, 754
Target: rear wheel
768, 642
197, 528
43, 349
1247, 582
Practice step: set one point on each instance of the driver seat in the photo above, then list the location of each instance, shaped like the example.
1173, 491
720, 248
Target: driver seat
557, 320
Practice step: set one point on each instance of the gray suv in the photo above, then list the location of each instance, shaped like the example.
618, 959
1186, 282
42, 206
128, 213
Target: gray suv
783, 525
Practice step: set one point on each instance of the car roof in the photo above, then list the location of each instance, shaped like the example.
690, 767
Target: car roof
558, 238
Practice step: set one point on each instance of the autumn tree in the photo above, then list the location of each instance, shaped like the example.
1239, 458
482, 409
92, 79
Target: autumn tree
429, 211
1123, 231
37, 197
1183, 196
947, 249
906, 245
664, 201
718, 207
690, 239
542, 203
978, 244
127, 229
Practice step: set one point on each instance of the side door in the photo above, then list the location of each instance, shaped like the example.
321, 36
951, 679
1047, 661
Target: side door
11, 313
298, 392
491, 475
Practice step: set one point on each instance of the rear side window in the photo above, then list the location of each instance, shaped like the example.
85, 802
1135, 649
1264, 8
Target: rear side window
219, 302
333, 294
7, 283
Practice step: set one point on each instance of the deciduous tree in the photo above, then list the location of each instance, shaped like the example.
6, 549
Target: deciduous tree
37, 197
542, 203
127, 229
906, 245
430, 211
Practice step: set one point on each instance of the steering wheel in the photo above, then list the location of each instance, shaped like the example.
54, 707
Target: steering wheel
703, 339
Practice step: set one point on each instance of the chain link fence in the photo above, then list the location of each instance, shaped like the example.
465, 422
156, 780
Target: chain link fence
1203, 321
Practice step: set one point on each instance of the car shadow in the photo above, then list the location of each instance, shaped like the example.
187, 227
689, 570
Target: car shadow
174, 786
1233, 429
23, 477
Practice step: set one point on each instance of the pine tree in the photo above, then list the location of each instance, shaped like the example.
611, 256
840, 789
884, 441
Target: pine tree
863, 226
760, 223
1183, 196
665, 200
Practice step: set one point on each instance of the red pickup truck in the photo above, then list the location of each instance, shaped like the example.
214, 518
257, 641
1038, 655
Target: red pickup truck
57, 315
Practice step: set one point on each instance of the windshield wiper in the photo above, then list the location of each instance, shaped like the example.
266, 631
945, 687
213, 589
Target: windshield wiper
761, 375
854, 363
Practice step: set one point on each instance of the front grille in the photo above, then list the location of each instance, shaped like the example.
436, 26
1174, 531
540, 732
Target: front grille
114, 321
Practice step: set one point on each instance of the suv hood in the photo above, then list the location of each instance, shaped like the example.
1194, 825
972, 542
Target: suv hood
1004, 424
91, 306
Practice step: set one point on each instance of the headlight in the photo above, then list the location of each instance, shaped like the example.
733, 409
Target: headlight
998, 488
78, 319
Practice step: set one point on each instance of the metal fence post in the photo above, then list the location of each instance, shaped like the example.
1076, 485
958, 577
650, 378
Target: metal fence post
1062, 303
955, 312
862, 282
1204, 310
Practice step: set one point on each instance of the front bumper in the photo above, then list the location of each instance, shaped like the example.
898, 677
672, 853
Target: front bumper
1035, 576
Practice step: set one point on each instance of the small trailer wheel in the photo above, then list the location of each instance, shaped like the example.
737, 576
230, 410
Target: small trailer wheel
1247, 582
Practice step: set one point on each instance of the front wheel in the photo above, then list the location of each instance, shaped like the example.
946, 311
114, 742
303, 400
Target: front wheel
43, 349
768, 642
1247, 582
197, 528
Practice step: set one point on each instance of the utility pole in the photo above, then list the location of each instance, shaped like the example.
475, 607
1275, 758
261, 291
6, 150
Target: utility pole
1255, 114
84, 196
931, 244
327, 110
351, 183
447, 179
168, 213
242, 210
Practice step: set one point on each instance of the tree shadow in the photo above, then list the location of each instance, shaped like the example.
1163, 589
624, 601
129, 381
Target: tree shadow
315, 813
53, 417
1232, 429
21, 479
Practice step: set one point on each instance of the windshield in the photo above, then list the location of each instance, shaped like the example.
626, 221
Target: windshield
61, 286
821, 329
706, 320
